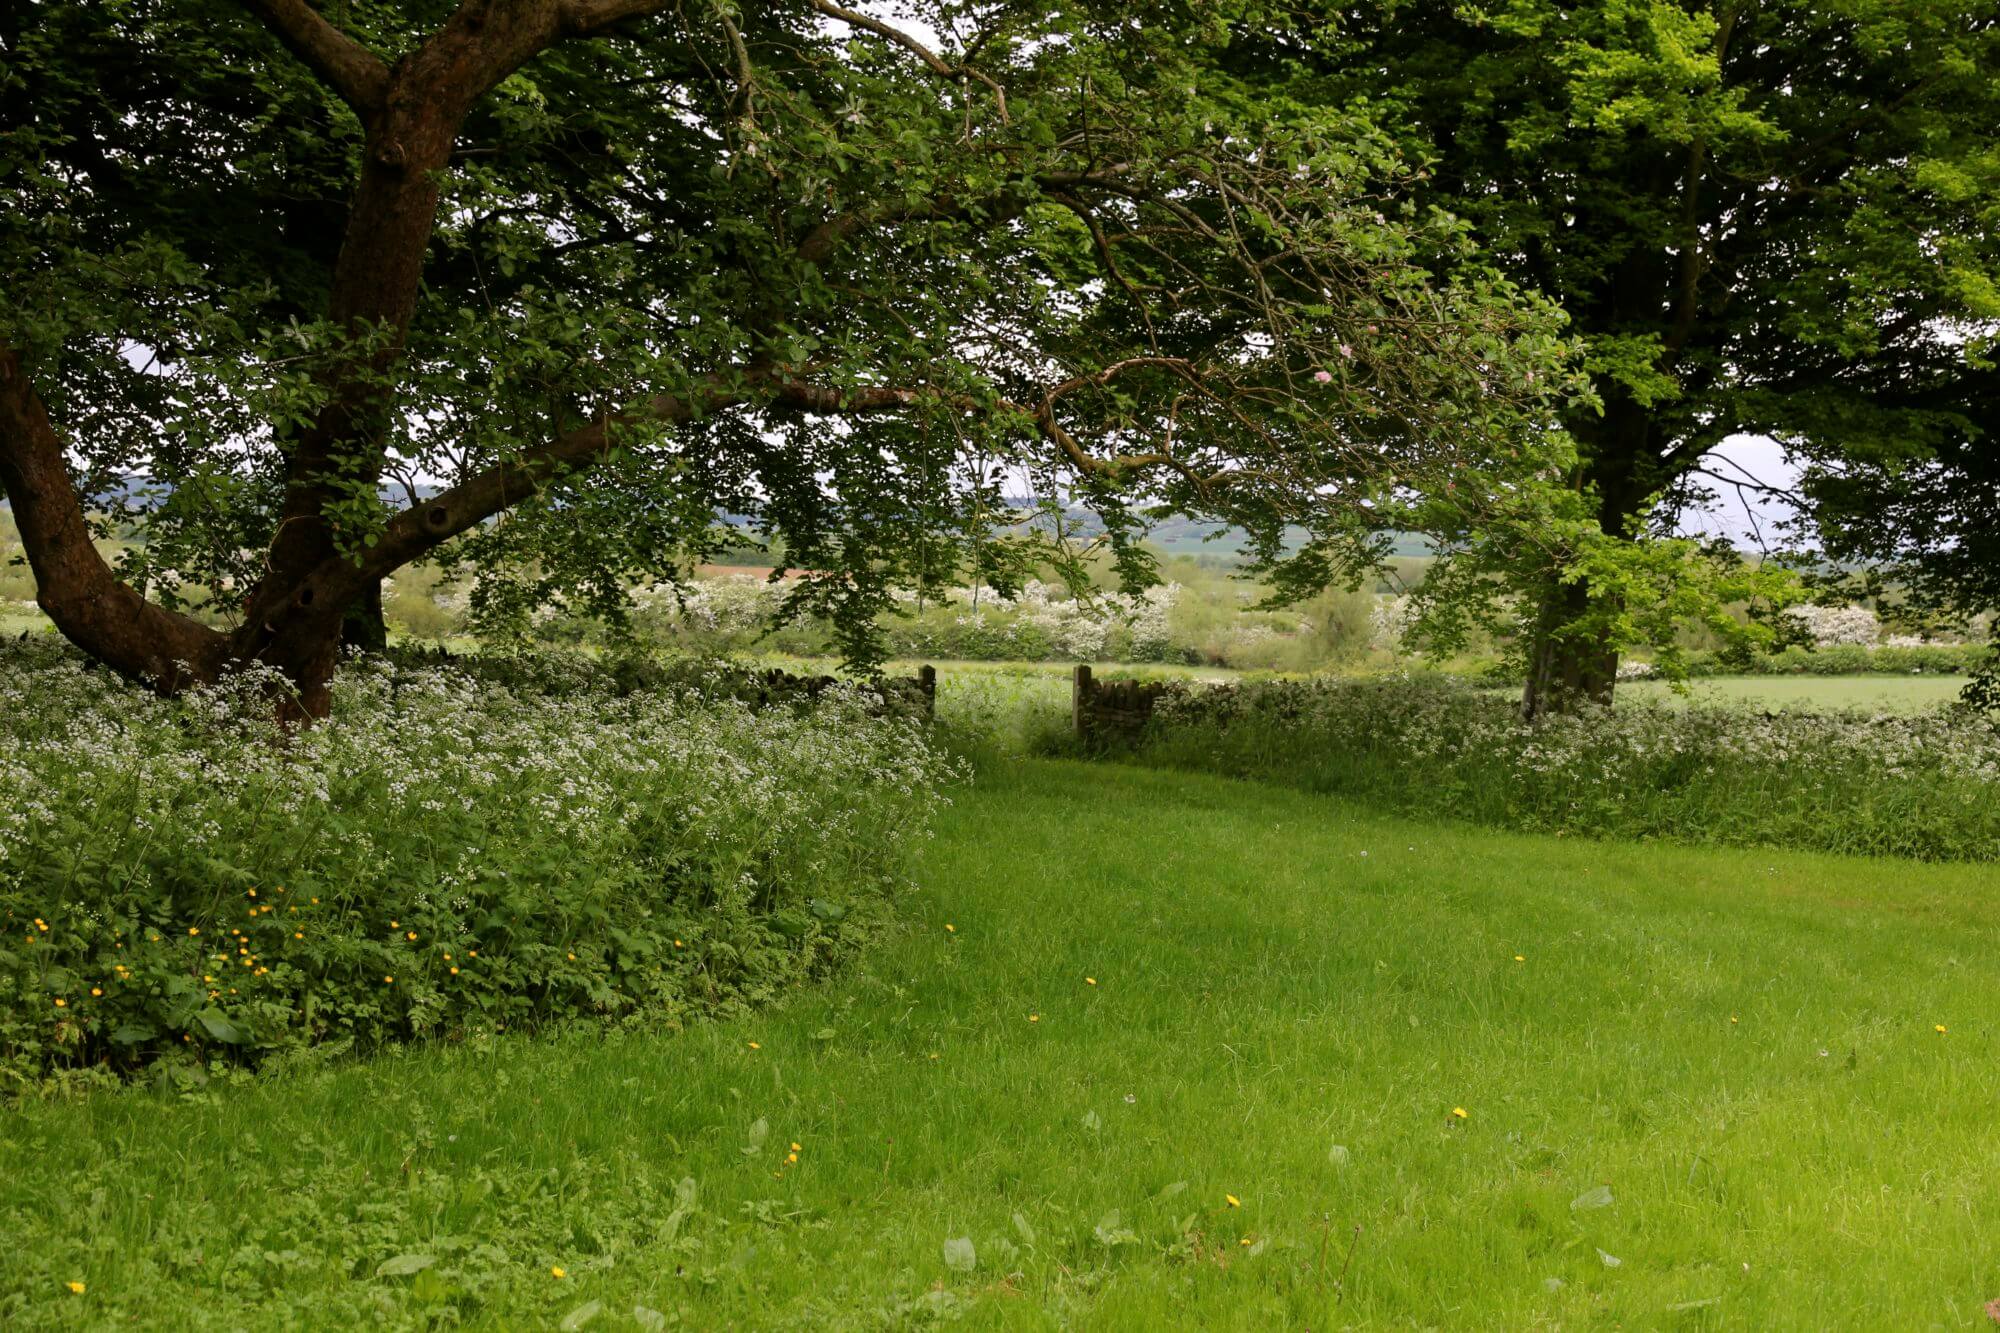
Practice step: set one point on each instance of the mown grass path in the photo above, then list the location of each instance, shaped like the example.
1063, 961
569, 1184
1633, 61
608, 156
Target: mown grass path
1709, 1092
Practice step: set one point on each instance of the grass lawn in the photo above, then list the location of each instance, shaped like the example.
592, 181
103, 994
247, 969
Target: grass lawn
1709, 1093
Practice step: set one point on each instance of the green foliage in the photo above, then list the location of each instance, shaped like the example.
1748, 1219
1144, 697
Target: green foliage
795, 272
1937, 659
453, 852
1857, 782
1773, 218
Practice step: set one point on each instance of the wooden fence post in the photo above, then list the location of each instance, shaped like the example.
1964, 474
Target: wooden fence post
1080, 700
927, 683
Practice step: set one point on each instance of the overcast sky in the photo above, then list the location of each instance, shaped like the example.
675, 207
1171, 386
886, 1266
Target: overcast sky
1742, 514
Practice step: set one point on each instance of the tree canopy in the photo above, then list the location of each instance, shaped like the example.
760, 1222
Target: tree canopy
612, 268
1763, 216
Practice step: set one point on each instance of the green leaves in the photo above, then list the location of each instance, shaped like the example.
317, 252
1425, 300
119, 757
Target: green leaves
218, 1026
958, 1254
695, 282
404, 1265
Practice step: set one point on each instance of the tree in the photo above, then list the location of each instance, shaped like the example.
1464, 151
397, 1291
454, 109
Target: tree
1763, 216
1923, 521
609, 268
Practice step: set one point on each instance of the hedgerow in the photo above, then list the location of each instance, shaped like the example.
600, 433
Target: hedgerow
1848, 659
1925, 786
458, 849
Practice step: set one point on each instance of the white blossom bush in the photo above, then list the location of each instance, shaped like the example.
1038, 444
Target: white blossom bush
1830, 626
1925, 785
446, 853
1389, 621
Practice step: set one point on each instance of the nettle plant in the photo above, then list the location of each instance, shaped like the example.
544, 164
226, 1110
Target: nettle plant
302, 295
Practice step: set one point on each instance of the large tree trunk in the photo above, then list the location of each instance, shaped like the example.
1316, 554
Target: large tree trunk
1566, 670
1569, 665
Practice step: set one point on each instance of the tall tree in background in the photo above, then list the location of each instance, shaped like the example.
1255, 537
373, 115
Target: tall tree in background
1763, 216
611, 267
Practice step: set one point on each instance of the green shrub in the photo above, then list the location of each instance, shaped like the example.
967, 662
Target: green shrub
458, 849
1923, 786
1846, 659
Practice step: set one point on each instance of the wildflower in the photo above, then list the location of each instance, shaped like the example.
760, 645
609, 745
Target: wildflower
795, 1147
395, 925
61, 1003
194, 930
1244, 1241
679, 945
1458, 1111
1940, 1029
1232, 1201
1323, 376
1034, 1018
411, 935
557, 1273
1347, 351
1519, 958
572, 958
953, 929
298, 934
388, 981
755, 1046
791, 1157
454, 971
1090, 981
75, 1287
1732, 1018
98, 990
253, 893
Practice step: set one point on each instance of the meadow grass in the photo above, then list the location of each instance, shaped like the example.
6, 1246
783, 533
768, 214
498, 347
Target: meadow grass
1893, 694
1710, 1091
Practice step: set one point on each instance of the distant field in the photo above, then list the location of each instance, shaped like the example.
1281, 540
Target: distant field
1048, 680
1890, 693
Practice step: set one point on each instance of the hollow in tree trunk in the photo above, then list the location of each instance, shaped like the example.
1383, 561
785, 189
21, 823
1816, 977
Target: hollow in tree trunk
363, 629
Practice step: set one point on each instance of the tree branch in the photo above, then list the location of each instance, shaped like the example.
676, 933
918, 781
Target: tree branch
935, 62
89, 603
587, 18
417, 530
348, 67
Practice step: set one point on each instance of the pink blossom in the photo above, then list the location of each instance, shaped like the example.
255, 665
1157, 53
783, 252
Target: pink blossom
1323, 376
1347, 351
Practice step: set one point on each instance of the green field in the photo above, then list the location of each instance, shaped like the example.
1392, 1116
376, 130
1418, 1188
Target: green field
1709, 1092
1899, 694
